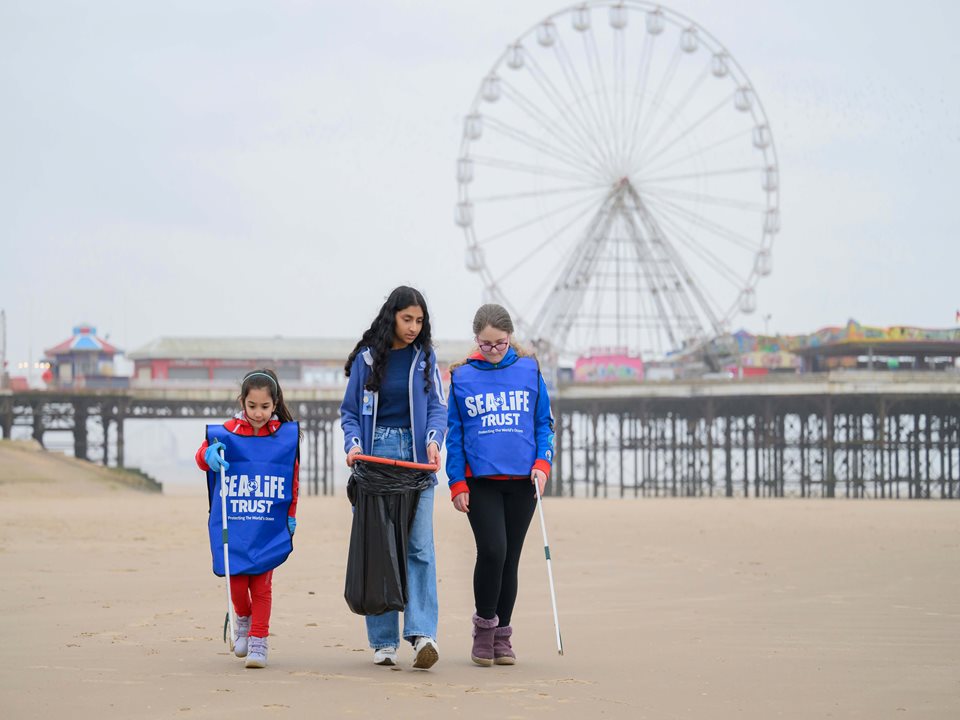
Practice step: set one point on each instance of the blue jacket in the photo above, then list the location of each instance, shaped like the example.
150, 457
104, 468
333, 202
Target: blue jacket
428, 412
458, 461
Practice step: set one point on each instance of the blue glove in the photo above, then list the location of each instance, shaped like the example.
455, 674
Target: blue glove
212, 457
292, 524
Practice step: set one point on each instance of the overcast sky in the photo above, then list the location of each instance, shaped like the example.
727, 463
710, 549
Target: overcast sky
274, 168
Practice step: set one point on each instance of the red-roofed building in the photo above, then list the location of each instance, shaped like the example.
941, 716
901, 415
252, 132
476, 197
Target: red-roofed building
84, 360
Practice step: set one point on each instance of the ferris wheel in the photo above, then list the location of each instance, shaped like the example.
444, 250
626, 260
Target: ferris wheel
617, 182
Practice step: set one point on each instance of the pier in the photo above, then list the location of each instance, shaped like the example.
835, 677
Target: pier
840, 434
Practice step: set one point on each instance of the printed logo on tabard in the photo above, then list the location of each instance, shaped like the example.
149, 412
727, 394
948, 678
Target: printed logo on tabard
499, 411
423, 364
253, 495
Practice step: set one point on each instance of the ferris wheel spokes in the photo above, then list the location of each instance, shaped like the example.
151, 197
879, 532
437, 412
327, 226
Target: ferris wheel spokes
724, 271
535, 193
675, 113
710, 226
554, 128
583, 110
680, 278
700, 152
532, 221
571, 282
599, 86
655, 105
655, 281
623, 157
569, 114
561, 155
639, 93
683, 134
704, 198
527, 168
521, 263
705, 173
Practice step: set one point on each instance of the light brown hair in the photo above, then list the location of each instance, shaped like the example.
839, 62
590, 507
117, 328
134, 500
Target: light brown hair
497, 317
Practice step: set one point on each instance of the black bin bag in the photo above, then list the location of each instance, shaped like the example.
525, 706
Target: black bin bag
384, 499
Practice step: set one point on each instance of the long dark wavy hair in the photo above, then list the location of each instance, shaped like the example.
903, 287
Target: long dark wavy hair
380, 335
266, 378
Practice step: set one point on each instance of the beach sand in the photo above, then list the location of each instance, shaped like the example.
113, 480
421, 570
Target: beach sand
707, 608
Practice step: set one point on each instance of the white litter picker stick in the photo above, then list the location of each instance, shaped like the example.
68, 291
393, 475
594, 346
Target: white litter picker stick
546, 551
228, 622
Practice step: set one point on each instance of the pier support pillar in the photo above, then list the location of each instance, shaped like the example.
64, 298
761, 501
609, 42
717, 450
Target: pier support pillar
80, 430
120, 439
105, 421
37, 411
6, 419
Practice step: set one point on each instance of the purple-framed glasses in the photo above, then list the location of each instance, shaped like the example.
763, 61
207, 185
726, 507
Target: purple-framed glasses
493, 347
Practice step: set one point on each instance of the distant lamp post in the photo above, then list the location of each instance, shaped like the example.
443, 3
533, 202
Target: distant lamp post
766, 324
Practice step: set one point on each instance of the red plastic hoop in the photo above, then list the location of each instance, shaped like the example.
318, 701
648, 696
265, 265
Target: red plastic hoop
397, 463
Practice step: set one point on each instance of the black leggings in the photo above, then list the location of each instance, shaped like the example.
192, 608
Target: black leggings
500, 513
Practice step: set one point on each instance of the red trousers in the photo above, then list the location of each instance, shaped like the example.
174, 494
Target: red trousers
253, 595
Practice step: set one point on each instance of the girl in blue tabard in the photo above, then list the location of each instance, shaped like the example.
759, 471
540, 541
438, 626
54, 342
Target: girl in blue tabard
499, 442
394, 407
262, 413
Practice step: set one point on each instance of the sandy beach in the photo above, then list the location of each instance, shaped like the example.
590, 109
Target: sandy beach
669, 609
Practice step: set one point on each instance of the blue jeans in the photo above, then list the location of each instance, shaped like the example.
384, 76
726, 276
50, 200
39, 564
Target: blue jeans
420, 614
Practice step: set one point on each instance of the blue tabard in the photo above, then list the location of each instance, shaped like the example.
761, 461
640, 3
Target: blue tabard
498, 410
259, 492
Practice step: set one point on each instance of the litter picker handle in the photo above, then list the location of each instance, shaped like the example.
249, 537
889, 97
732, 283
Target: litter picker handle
546, 551
397, 463
226, 549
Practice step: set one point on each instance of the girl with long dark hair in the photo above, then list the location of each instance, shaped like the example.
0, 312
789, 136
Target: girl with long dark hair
394, 407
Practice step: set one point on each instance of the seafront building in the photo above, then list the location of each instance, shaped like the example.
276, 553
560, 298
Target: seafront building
86, 360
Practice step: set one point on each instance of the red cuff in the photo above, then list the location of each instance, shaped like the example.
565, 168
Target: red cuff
460, 486
296, 490
543, 466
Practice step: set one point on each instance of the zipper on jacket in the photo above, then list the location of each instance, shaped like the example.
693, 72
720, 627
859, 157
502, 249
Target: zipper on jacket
376, 400
413, 429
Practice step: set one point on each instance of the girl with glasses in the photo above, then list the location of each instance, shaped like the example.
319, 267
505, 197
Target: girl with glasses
499, 442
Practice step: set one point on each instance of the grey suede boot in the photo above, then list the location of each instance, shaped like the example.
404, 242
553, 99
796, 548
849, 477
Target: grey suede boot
502, 649
483, 630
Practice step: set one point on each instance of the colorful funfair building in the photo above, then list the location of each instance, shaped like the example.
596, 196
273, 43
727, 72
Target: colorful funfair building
84, 361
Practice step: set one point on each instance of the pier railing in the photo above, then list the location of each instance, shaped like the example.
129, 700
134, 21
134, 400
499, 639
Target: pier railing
843, 434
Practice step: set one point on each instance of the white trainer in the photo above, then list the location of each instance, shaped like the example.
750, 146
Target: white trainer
243, 629
257, 657
427, 652
385, 656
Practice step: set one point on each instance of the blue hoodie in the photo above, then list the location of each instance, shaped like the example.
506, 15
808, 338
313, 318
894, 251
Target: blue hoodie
459, 448
428, 412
